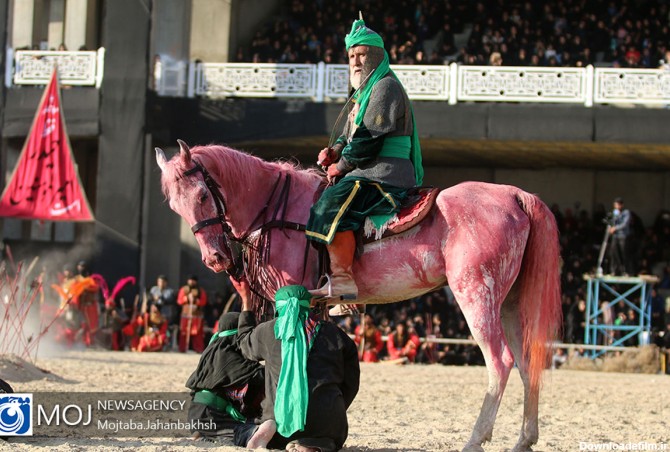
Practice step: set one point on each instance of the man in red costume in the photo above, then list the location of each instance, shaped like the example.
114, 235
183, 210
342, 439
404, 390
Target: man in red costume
88, 303
368, 338
113, 321
192, 299
155, 331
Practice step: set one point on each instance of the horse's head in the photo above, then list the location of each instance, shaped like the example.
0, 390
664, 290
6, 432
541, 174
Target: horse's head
191, 193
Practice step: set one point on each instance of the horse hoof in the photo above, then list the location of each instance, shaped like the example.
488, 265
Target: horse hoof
473, 448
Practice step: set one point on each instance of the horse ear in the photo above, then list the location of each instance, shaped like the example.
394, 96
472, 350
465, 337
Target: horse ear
160, 159
184, 151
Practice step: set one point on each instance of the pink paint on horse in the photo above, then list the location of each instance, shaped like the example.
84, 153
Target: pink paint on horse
495, 245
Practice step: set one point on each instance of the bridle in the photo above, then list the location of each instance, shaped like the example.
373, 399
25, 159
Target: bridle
219, 202
261, 245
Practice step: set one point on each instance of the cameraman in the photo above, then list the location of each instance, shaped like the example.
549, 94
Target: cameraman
620, 229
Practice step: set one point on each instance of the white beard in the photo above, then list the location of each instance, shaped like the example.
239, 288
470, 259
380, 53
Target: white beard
355, 80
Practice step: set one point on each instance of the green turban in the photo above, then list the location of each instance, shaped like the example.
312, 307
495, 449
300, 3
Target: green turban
362, 35
293, 304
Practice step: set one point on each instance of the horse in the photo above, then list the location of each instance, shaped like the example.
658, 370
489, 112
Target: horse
496, 246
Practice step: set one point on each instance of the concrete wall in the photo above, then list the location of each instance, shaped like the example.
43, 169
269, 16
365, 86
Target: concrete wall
210, 30
160, 237
171, 27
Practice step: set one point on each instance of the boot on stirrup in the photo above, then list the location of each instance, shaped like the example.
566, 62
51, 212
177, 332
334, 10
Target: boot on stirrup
341, 283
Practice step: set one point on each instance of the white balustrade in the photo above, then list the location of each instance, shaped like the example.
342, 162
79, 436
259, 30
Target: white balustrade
34, 67
420, 82
322, 82
521, 84
638, 86
424, 82
255, 80
337, 81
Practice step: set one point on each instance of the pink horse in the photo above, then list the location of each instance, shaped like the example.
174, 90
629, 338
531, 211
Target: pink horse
496, 246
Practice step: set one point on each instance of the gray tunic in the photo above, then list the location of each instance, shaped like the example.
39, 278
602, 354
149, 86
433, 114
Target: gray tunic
388, 114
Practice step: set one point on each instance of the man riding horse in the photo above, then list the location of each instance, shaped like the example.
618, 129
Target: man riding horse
371, 165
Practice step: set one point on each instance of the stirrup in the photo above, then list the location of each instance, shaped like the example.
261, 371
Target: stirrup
329, 286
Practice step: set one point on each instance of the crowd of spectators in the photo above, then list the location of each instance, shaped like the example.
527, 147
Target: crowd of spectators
164, 318
626, 33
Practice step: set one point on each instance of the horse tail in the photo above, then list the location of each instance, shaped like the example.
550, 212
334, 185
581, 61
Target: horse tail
540, 290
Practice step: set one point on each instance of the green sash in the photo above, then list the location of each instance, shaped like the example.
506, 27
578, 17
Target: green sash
292, 389
398, 147
214, 401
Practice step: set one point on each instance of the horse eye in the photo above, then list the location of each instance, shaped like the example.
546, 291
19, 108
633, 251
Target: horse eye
203, 198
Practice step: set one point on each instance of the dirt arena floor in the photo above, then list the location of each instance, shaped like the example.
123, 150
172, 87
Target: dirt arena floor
398, 408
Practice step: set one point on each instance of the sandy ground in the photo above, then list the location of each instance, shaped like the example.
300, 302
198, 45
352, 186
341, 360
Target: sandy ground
398, 408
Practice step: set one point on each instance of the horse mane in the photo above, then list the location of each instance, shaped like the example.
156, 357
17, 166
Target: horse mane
246, 165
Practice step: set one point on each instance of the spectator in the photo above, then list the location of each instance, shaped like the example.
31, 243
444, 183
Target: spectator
155, 327
564, 34
402, 345
560, 357
88, 303
110, 334
621, 263
164, 297
495, 59
576, 322
369, 338
192, 298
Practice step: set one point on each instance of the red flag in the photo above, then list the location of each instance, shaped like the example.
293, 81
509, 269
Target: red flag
45, 184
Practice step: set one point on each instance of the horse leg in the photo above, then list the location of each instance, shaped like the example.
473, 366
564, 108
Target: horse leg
511, 319
499, 362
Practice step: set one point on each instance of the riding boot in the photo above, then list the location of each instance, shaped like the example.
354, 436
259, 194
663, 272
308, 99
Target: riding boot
341, 284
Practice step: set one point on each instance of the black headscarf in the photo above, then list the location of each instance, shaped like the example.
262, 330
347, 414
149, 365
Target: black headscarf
222, 364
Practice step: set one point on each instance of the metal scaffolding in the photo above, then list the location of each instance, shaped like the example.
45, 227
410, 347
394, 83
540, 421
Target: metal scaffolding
603, 292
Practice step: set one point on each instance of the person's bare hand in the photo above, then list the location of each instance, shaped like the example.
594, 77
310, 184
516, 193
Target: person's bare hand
327, 157
333, 172
244, 289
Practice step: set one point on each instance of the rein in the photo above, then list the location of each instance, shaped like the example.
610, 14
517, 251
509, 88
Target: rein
256, 251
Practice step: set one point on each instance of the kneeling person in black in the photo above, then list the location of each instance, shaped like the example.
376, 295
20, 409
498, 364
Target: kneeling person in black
227, 389
312, 373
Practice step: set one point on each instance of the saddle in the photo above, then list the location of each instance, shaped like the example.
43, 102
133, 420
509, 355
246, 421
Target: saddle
416, 207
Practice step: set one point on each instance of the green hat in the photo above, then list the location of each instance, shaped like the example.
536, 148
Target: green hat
299, 292
362, 35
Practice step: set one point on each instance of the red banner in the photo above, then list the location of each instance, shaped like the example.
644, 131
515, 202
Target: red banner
45, 184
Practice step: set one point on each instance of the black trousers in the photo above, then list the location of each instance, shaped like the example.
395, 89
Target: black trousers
620, 260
